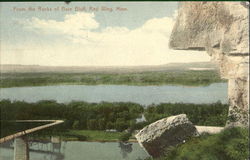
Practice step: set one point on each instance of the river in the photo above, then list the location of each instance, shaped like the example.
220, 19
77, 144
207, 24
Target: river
77, 150
144, 95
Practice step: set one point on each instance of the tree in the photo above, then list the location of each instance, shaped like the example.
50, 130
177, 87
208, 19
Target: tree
92, 124
121, 125
110, 125
101, 124
75, 125
125, 137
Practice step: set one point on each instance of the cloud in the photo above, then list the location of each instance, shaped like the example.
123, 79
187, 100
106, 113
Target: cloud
71, 25
85, 45
163, 25
80, 26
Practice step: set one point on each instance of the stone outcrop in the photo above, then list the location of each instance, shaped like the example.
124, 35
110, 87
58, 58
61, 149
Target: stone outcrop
160, 135
222, 29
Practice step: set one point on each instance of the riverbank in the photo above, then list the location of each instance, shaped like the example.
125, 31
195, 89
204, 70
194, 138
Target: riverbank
116, 115
89, 121
185, 77
82, 135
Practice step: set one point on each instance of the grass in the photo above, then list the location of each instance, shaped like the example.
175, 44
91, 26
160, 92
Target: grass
186, 77
82, 135
230, 144
96, 135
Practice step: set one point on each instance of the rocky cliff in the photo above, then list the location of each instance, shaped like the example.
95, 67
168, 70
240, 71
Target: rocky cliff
222, 29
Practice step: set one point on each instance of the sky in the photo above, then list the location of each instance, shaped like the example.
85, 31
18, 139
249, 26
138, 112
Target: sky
90, 34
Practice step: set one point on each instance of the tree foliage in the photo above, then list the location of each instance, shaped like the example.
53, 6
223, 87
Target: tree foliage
230, 144
200, 114
77, 115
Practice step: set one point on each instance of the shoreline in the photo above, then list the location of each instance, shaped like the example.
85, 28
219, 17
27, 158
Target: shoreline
71, 139
100, 141
124, 84
170, 77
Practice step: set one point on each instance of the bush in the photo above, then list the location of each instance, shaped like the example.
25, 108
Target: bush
77, 115
230, 144
125, 137
79, 137
121, 125
75, 125
200, 114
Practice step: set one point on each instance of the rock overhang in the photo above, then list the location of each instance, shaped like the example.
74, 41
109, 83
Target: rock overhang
222, 29
206, 25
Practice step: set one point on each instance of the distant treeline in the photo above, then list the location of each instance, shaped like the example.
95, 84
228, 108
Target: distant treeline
186, 77
119, 116
214, 114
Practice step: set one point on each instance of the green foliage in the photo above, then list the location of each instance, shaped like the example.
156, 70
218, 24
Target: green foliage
125, 137
92, 124
200, 114
75, 125
77, 115
185, 77
110, 125
138, 126
92, 135
82, 135
76, 136
11, 127
102, 116
121, 124
230, 144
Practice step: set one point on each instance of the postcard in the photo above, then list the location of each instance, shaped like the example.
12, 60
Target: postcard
136, 80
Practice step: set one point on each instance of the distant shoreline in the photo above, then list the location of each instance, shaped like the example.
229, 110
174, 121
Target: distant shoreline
11, 68
169, 77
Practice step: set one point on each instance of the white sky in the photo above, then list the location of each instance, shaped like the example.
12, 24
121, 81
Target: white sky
138, 36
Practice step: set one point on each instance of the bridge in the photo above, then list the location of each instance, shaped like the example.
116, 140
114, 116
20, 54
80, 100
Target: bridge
21, 147
55, 151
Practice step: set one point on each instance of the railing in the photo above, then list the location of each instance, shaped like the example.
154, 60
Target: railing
22, 133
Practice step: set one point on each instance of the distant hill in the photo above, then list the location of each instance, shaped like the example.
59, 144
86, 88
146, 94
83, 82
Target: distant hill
107, 69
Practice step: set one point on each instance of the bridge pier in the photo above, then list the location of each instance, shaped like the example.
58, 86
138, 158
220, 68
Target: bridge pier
21, 148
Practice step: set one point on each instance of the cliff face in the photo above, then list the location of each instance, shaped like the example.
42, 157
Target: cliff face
222, 29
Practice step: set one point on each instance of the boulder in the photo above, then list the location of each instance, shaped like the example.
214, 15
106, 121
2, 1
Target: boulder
158, 136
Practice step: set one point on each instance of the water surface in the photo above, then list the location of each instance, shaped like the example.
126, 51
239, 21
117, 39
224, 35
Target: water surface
76, 150
144, 95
